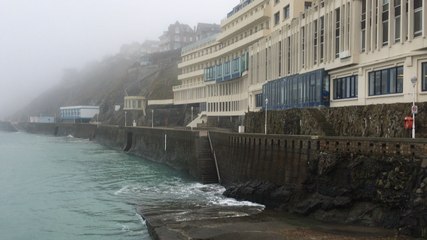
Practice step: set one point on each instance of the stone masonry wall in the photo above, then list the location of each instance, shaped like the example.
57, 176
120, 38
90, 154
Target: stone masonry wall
370, 181
385, 120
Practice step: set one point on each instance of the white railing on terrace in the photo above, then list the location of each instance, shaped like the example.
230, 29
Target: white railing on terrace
178, 87
199, 43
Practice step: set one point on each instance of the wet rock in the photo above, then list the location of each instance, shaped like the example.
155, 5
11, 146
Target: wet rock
326, 163
281, 194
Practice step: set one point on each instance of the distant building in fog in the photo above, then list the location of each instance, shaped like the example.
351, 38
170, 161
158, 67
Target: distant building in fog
42, 119
204, 30
177, 36
78, 113
150, 46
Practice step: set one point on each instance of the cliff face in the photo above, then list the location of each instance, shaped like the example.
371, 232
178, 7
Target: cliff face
106, 83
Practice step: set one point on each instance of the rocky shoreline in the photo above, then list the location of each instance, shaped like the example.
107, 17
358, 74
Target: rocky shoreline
388, 192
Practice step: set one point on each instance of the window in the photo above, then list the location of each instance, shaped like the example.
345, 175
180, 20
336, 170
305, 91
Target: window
289, 55
363, 27
322, 38
315, 42
276, 1
385, 17
345, 87
307, 5
418, 18
258, 100
424, 77
276, 18
280, 58
387, 81
397, 14
337, 33
303, 46
286, 12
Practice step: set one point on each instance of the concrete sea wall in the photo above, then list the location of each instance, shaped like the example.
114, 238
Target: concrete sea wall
370, 181
7, 127
178, 149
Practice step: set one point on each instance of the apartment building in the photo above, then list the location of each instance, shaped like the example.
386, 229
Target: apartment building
341, 53
296, 53
214, 71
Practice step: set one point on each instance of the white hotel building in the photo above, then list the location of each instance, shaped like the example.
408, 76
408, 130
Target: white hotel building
308, 54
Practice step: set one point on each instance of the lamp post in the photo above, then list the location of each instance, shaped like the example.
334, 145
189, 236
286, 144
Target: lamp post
414, 107
152, 118
266, 110
125, 118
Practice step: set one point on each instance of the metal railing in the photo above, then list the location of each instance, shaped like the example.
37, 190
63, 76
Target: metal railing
216, 161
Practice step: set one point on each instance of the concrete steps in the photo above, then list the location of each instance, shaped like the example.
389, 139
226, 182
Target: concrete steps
206, 162
201, 118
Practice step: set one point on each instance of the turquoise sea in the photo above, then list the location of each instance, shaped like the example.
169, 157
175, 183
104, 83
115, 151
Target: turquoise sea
66, 188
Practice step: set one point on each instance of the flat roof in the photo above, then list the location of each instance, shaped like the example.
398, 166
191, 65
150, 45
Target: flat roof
79, 107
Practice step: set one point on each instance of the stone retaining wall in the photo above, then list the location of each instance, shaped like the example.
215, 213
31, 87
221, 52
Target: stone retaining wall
385, 120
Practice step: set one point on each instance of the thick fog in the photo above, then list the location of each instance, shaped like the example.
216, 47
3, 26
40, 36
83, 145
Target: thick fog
41, 38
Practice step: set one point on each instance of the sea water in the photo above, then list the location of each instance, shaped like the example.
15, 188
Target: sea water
67, 188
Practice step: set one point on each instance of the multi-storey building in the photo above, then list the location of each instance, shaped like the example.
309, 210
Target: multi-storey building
214, 70
177, 36
308, 53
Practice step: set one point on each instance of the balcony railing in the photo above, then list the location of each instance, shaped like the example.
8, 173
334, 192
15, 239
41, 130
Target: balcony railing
239, 7
227, 71
198, 44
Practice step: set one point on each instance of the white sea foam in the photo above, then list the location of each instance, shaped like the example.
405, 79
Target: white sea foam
199, 195
141, 219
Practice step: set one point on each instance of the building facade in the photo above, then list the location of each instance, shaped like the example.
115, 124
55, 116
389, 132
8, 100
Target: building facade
135, 103
308, 54
78, 113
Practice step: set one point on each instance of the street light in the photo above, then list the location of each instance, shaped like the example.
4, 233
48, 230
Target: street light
152, 118
125, 117
414, 107
266, 110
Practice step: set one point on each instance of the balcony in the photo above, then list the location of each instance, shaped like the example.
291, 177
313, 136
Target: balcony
244, 43
263, 14
191, 74
227, 71
188, 86
239, 10
201, 43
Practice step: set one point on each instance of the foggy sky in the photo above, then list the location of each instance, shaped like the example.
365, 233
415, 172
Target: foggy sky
40, 38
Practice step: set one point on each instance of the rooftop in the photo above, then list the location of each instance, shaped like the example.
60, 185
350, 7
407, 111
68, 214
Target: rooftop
239, 7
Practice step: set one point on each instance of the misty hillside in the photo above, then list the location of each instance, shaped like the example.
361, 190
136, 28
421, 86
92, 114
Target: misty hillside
105, 84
